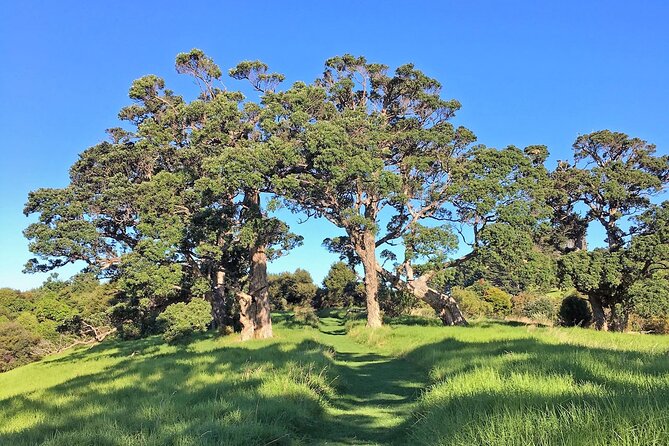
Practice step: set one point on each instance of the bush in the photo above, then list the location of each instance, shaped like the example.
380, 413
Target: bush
17, 346
471, 303
182, 319
534, 306
541, 308
395, 303
482, 299
306, 316
657, 325
575, 311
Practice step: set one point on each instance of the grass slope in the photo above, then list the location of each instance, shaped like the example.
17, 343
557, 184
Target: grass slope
414, 383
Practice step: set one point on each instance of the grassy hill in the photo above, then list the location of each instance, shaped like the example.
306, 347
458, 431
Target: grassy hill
412, 383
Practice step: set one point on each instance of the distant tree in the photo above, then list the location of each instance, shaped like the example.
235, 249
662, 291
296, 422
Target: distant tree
296, 288
614, 177
171, 209
341, 287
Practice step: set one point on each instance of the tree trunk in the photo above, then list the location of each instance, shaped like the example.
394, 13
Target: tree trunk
618, 319
219, 309
259, 290
246, 315
444, 305
367, 253
598, 313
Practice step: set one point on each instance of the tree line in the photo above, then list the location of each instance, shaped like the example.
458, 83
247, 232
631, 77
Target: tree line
178, 204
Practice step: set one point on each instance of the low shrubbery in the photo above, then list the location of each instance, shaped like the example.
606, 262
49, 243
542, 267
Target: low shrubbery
183, 319
483, 300
306, 316
534, 306
18, 346
50, 318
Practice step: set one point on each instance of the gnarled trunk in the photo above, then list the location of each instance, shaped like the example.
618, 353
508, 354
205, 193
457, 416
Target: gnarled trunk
444, 305
246, 315
259, 290
367, 254
598, 313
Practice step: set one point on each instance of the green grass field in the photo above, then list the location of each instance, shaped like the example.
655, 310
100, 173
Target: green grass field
412, 383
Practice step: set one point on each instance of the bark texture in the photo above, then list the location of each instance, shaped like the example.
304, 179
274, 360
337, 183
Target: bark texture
367, 253
598, 313
259, 290
444, 305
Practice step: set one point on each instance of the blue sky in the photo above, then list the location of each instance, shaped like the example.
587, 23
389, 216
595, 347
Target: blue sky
526, 73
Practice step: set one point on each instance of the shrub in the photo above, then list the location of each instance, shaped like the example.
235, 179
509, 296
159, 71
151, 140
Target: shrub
499, 299
657, 325
132, 317
482, 299
306, 316
542, 307
471, 303
395, 303
182, 319
17, 346
532, 305
575, 311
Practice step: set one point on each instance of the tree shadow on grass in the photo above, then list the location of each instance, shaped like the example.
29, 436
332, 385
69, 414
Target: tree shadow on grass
232, 395
539, 393
282, 393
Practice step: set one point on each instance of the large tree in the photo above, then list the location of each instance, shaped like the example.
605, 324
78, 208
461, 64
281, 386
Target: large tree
165, 209
377, 155
611, 180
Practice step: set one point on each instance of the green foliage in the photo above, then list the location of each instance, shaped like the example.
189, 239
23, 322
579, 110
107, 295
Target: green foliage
394, 302
575, 312
482, 299
52, 308
471, 302
306, 315
341, 287
534, 306
509, 258
288, 289
183, 319
18, 346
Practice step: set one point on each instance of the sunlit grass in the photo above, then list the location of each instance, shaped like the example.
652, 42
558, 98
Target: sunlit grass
412, 382
515, 385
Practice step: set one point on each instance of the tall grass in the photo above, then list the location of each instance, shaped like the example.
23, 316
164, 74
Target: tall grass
209, 392
497, 384
409, 383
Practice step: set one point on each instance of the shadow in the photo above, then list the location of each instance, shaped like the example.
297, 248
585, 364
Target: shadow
231, 395
336, 391
513, 385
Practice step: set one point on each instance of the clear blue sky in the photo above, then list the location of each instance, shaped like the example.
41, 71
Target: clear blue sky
526, 73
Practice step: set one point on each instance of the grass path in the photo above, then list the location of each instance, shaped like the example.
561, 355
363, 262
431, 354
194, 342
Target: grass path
376, 391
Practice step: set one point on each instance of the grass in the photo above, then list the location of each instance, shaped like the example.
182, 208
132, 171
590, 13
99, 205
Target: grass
408, 383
